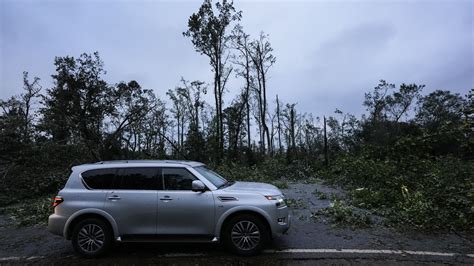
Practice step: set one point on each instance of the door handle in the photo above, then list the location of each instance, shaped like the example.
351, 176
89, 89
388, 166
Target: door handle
166, 198
114, 197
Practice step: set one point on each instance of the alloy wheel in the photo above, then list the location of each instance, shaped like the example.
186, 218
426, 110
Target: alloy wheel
245, 235
91, 238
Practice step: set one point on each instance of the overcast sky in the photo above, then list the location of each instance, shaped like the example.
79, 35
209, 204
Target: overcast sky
328, 52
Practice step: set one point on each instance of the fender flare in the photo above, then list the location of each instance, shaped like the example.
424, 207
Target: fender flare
99, 212
236, 209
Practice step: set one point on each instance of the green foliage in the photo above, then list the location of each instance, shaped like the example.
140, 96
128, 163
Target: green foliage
280, 184
341, 214
420, 193
43, 169
270, 170
416, 173
320, 195
295, 203
440, 107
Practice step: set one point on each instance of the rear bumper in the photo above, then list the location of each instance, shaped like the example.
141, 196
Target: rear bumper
56, 224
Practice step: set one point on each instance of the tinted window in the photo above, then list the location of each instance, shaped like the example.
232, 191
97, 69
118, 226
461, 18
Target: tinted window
144, 178
177, 179
99, 178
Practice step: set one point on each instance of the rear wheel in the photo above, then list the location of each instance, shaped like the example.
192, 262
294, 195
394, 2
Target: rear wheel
246, 234
92, 238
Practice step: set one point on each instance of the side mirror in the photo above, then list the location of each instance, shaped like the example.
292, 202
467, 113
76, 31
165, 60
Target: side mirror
198, 185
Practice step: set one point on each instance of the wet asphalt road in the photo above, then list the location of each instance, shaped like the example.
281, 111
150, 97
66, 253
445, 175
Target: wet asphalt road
35, 245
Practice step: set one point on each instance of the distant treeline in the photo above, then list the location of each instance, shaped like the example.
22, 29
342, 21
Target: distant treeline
82, 118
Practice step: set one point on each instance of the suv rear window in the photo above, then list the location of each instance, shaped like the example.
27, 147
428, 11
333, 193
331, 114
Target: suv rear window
99, 178
133, 178
143, 178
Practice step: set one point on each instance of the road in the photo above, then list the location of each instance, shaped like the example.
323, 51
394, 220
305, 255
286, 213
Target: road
308, 242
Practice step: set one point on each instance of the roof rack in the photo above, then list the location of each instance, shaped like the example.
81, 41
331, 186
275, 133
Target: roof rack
149, 161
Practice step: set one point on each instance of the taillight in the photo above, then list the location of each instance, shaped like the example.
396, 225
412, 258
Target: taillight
56, 201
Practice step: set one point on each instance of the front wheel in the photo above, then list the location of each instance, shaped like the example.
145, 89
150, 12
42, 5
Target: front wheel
92, 238
246, 235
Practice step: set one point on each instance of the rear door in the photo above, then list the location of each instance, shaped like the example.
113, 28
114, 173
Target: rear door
132, 201
182, 211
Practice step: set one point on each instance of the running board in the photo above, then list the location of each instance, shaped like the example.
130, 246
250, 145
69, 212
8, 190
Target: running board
168, 238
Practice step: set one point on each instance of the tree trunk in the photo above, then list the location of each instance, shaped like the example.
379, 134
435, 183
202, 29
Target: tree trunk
216, 97
279, 125
264, 113
326, 158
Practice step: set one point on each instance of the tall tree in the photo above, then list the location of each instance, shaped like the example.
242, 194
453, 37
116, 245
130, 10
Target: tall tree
440, 107
191, 94
16, 120
263, 59
127, 121
398, 104
290, 117
376, 101
157, 123
32, 91
207, 30
241, 43
75, 108
179, 111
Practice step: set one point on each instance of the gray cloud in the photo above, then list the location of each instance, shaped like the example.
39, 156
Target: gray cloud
328, 52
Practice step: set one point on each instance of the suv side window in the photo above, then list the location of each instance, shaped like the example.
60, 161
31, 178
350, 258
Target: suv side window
99, 178
138, 178
177, 179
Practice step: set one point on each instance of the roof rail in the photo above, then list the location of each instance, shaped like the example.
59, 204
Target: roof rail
149, 161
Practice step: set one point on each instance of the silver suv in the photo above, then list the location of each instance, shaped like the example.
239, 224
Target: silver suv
164, 201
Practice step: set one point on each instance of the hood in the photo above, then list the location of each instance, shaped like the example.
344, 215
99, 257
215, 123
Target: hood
261, 188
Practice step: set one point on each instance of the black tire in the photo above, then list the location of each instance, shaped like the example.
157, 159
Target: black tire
231, 229
90, 229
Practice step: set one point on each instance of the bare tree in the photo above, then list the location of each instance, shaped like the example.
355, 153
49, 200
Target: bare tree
191, 93
263, 59
241, 43
179, 112
32, 90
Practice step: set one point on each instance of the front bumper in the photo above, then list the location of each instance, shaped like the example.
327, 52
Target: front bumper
283, 221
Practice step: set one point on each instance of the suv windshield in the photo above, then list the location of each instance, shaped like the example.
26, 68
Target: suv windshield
212, 176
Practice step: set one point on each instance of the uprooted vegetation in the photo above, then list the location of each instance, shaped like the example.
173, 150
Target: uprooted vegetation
30, 212
413, 193
341, 214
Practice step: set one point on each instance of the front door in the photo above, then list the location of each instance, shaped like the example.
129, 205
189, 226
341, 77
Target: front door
182, 211
132, 200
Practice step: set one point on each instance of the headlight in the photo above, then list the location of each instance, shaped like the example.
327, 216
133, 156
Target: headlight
280, 201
